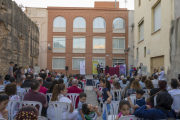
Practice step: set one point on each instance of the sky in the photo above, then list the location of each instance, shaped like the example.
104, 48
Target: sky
70, 3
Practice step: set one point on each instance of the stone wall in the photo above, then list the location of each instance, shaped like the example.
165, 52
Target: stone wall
19, 37
174, 70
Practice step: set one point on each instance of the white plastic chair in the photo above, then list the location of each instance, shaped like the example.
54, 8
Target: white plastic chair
27, 89
10, 107
49, 95
58, 108
79, 86
66, 83
73, 97
119, 94
34, 103
176, 102
20, 95
155, 100
94, 82
2, 88
114, 106
155, 85
3, 119
131, 117
42, 118
146, 92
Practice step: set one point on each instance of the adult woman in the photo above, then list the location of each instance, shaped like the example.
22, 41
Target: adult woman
129, 85
70, 81
83, 80
51, 87
4, 99
148, 84
142, 81
19, 72
11, 90
59, 93
162, 87
134, 86
139, 71
161, 111
27, 112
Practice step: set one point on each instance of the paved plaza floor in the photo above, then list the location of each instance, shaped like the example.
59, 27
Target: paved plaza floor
91, 98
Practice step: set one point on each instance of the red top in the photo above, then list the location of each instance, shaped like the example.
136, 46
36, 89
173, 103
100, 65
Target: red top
43, 90
75, 89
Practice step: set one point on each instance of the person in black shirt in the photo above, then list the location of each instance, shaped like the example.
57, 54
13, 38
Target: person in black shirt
27, 82
79, 81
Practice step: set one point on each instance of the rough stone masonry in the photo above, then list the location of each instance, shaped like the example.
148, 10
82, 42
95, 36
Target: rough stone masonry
19, 37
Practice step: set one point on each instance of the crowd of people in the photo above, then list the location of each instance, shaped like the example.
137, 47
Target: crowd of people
13, 87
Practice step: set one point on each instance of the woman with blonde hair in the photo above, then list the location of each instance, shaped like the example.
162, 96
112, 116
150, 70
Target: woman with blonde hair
59, 95
134, 86
70, 81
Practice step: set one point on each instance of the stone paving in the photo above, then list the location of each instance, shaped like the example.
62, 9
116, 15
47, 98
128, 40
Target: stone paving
92, 98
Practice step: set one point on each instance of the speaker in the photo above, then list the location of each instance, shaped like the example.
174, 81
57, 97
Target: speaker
107, 67
66, 67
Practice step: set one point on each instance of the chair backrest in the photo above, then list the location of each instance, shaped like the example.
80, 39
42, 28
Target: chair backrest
100, 88
73, 97
20, 95
27, 89
34, 103
176, 102
133, 99
67, 84
2, 88
114, 109
2, 119
42, 118
119, 94
155, 100
155, 85
58, 108
131, 117
146, 91
48, 96
94, 82
10, 108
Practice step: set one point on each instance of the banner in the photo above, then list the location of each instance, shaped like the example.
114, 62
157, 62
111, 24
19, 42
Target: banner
95, 63
82, 67
122, 69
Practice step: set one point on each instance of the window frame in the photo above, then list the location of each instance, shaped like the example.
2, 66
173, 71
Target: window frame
59, 44
119, 23
79, 39
118, 43
60, 20
99, 22
79, 21
78, 61
58, 65
154, 17
141, 24
98, 43
93, 59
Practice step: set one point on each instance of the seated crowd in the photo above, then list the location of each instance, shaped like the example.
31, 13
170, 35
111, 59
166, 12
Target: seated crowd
133, 98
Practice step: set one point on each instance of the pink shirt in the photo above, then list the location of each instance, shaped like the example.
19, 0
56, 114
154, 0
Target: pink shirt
43, 90
120, 115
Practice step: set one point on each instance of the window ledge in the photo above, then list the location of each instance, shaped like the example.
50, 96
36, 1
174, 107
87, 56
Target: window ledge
155, 32
140, 41
58, 69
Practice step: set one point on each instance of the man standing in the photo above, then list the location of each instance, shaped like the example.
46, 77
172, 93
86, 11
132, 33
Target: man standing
161, 74
98, 69
29, 69
101, 68
75, 89
10, 71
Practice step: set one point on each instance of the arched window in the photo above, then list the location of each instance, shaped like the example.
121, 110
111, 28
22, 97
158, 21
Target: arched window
118, 23
79, 22
99, 22
59, 22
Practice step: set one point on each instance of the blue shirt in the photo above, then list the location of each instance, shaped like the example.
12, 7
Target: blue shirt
21, 91
79, 108
104, 94
6, 82
140, 102
154, 114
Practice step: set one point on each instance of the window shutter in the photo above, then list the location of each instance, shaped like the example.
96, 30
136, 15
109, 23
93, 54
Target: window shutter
142, 31
157, 17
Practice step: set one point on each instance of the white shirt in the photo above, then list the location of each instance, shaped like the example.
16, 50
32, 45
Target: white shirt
155, 81
101, 65
61, 98
161, 75
29, 70
176, 99
139, 72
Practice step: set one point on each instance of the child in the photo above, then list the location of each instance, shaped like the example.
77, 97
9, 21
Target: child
90, 111
124, 108
123, 83
117, 86
4, 99
139, 100
82, 99
105, 94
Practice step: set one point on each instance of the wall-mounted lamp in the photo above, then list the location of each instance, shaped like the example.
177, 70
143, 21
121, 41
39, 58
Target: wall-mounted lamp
49, 47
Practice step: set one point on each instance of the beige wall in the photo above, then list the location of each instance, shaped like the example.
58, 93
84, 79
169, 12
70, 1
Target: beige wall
157, 43
39, 15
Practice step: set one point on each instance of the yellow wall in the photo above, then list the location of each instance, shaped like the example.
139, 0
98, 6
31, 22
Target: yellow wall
157, 43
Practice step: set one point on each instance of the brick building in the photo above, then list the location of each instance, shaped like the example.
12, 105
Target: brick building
87, 34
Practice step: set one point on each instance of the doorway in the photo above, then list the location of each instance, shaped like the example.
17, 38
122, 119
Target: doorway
156, 63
